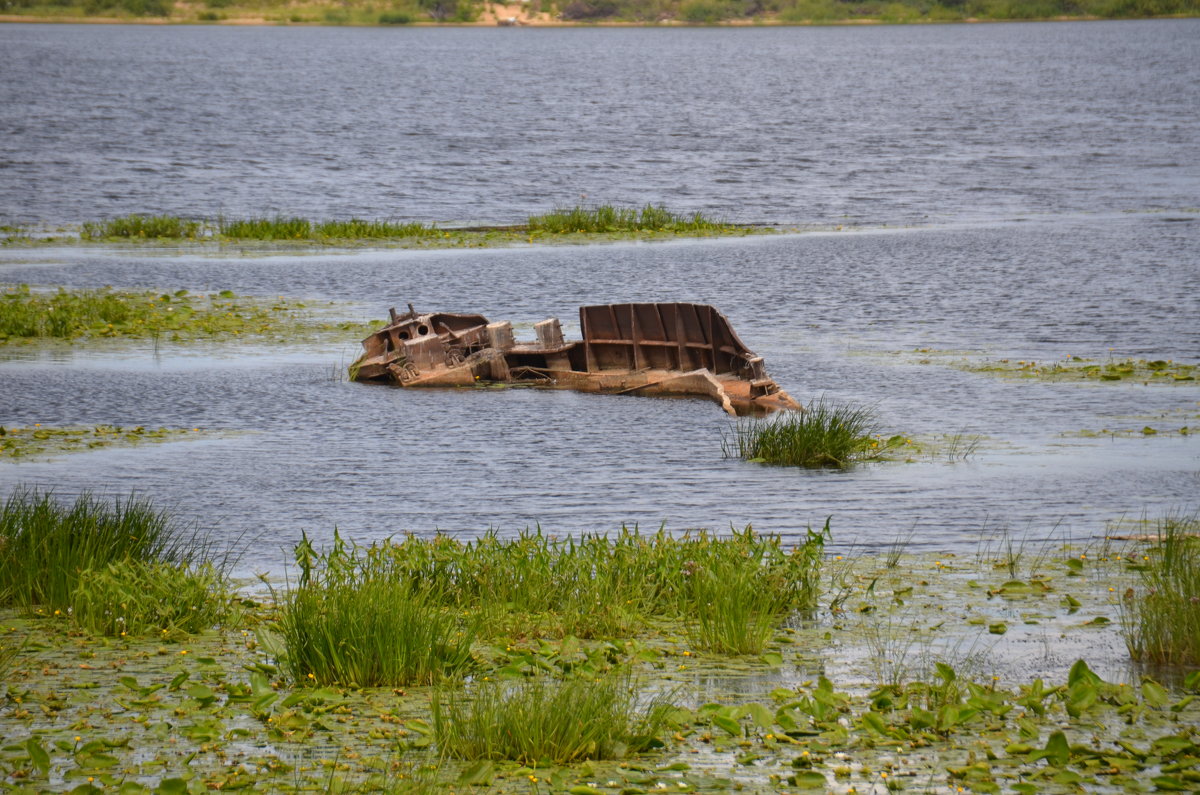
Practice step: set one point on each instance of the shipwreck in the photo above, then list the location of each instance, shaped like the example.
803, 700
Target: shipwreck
658, 349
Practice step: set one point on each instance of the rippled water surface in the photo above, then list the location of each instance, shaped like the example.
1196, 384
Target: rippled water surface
1021, 191
877, 125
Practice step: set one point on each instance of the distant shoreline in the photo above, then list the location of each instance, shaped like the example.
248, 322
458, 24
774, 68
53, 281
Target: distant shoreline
758, 22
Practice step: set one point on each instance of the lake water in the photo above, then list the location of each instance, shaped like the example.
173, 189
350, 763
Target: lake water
1028, 191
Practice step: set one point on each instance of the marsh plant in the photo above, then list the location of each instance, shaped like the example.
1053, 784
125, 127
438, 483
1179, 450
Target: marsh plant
114, 568
62, 314
543, 719
606, 218
293, 228
596, 585
823, 435
1161, 613
352, 623
141, 226
46, 547
357, 228
265, 228
133, 597
737, 605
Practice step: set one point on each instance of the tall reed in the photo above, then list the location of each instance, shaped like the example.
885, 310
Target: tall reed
737, 608
349, 623
46, 547
590, 586
1161, 617
824, 434
544, 719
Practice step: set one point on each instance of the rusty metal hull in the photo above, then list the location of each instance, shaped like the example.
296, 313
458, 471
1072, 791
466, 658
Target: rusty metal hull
658, 349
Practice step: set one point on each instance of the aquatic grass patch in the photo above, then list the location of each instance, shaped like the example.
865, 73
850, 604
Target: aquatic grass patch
596, 585
347, 622
277, 227
140, 226
295, 228
46, 546
737, 607
136, 597
27, 314
1161, 613
824, 434
42, 440
545, 719
359, 229
607, 218
65, 313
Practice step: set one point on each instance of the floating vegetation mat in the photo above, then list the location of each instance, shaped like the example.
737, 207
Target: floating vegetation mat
1070, 368
40, 441
1178, 422
1001, 672
31, 315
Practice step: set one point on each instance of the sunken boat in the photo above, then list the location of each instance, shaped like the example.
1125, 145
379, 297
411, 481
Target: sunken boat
656, 349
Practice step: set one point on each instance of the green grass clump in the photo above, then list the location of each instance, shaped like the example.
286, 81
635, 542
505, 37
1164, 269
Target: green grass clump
359, 229
594, 586
284, 228
823, 434
1161, 618
133, 597
348, 622
277, 228
546, 719
140, 226
606, 218
46, 547
737, 607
